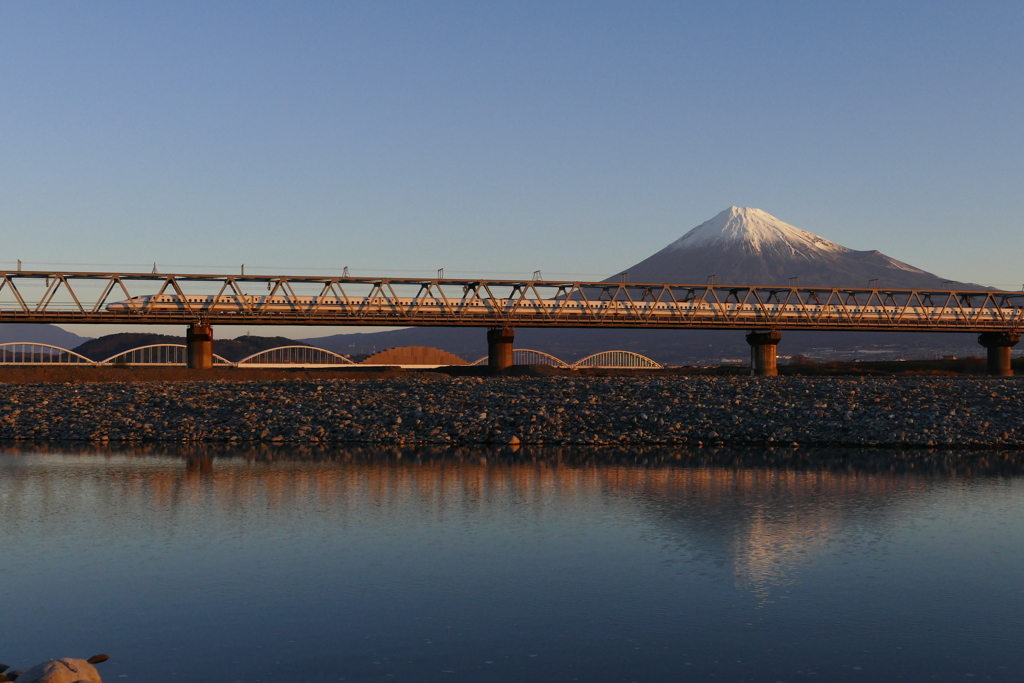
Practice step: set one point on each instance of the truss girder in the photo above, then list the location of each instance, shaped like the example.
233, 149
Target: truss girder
88, 297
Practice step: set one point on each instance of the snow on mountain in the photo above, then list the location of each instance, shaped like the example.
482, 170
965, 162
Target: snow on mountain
746, 246
754, 229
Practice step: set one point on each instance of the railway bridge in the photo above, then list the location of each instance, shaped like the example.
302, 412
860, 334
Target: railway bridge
202, 301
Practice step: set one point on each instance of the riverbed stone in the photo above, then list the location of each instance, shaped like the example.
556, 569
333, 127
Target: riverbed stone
898, 411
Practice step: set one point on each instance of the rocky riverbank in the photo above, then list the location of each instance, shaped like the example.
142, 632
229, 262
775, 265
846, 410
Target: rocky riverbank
902, 412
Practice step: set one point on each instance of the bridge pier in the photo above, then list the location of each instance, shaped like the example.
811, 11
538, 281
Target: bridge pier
999, 345
763, 361
199, 341
499, 348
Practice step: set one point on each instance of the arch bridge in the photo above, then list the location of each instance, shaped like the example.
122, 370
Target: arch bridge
28, 353
618, 360
21, 353
295, 356
158, 354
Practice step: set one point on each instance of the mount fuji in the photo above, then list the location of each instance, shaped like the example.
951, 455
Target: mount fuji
739, 246
744, 246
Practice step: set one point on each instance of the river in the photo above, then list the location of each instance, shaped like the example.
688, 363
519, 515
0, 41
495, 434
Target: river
288, 564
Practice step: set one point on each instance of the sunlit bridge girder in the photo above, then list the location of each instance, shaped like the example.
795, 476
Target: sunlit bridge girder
145, 298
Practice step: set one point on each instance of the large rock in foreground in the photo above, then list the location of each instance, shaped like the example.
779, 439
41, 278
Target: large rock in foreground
64, 670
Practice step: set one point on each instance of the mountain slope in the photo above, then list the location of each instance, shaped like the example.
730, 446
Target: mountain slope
231, 349
746, 246
39, 333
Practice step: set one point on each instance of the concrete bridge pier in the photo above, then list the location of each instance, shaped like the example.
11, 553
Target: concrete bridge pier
763, 353
199, 341
499, 348
999, 345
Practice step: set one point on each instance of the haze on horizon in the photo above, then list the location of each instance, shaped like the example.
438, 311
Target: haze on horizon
574, 138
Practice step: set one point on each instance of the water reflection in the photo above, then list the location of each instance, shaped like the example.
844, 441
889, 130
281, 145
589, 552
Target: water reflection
660, 537
765, 512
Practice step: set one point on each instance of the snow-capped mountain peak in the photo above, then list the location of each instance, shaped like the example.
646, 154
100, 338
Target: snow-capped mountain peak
755, 229
744, 246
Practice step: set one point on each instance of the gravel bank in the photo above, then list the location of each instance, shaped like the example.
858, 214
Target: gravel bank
902, 412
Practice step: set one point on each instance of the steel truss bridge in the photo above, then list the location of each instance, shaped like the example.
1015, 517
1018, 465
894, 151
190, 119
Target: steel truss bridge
189, 299
203, 301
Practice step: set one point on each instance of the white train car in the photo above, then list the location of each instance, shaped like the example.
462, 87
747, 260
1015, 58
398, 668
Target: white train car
697, 308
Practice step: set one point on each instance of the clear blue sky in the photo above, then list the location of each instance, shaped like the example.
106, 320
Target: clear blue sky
570, 137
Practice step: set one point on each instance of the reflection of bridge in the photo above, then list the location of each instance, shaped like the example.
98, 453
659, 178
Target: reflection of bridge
22, 353
201, 301
765, 522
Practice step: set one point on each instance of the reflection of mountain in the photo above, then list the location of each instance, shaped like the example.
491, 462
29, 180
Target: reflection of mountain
763, 521
767, 523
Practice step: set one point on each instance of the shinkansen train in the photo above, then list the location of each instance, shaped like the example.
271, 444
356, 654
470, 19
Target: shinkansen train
693, 308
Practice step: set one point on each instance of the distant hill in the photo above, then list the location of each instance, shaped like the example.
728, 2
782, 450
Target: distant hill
113, 344
231, 349
241, 347
467, 343
39, 334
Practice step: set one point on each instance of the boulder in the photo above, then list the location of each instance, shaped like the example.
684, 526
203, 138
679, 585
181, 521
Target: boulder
64, 670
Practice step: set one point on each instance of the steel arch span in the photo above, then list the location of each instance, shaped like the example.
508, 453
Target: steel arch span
295, 356
158, 354
31, 353
616, 359
532, 357
529, 357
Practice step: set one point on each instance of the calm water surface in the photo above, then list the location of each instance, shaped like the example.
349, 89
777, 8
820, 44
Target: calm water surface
481, 566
